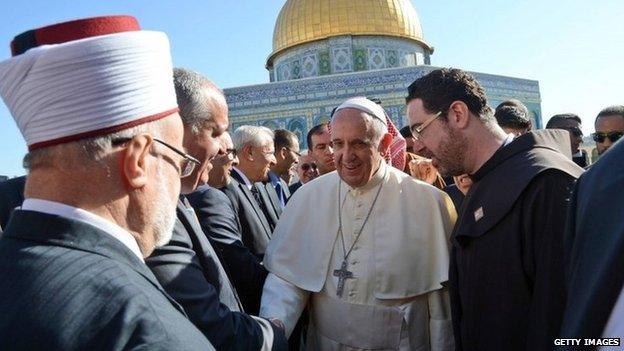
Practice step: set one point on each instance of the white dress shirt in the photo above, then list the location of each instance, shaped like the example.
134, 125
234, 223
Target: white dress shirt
248, 183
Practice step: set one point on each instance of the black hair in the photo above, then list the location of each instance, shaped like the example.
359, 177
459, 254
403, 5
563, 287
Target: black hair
316, 130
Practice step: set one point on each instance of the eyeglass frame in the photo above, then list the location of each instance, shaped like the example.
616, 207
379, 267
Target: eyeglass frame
308, 166
417, 129
184, 170
293, 151
232, 152
607, 135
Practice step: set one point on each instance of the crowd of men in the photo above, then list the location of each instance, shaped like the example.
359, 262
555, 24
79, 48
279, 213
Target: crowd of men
144, 222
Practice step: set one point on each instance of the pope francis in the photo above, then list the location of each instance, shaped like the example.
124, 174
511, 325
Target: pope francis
365, 247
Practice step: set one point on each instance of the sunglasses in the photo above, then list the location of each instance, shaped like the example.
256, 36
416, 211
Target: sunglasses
306, 166
600, 137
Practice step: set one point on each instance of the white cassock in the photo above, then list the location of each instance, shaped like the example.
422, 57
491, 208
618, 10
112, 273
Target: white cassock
395, 300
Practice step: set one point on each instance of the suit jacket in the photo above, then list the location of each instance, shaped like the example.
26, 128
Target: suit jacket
273, 178
67, 285
285, 188
220, 223
271, 202
11, 196
190, 271
595, 247
294, 187
255, 227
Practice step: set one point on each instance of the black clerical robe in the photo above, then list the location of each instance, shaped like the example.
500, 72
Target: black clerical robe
67, 285
507, 272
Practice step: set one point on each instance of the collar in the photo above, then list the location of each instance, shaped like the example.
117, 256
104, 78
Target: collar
553, 139
375, 180
510, 137
63, 210
274, 178
248, 183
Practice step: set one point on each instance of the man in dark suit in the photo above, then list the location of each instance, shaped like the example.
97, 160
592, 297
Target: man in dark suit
188, 266
286, 157
254, 148
11, 196
218, 219
104, 174
269, 201
220, 223
595, 251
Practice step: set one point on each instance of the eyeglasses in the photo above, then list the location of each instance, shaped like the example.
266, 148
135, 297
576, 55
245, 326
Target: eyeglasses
600, 137
291, 150
188, 164
418, 129
231, 153
306, 166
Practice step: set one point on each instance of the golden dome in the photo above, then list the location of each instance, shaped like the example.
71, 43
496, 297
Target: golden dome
303, 21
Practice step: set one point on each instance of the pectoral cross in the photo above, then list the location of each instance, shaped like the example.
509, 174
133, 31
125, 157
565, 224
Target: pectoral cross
342, 274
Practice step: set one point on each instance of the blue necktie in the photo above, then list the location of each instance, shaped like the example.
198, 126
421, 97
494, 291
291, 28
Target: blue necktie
280, 194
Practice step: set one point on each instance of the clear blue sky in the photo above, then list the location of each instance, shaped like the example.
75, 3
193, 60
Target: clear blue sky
574, 48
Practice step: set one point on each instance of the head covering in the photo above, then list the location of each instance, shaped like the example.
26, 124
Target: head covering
396, 152
87, 78
395, 155
363, 104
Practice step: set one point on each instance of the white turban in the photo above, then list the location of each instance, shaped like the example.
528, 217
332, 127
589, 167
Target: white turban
89, 87
363, 104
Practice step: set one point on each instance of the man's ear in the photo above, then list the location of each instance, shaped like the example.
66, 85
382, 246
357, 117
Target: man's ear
282, 153
458, 115
386, 140
247, 153
134, 160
